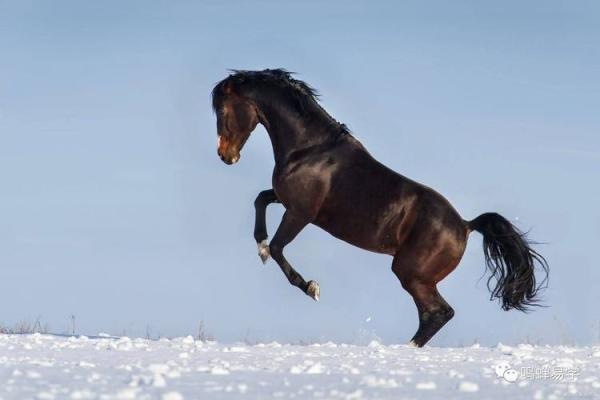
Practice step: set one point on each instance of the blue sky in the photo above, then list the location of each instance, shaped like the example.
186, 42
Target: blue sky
114, 206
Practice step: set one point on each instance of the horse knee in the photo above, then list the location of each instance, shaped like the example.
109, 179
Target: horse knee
276, 250
264, 198
260, 199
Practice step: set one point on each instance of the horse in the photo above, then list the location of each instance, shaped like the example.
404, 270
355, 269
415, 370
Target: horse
324, 176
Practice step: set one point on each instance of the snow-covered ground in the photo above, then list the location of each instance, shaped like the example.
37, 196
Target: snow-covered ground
52, 367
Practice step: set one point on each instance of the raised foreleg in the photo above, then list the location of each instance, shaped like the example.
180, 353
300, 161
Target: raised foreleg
289, 228
263, 199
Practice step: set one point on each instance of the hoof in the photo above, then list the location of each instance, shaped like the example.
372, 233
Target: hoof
263, 251
413, 344
313, 290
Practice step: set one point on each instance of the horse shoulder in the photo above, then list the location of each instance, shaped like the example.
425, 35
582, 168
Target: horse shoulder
303, 185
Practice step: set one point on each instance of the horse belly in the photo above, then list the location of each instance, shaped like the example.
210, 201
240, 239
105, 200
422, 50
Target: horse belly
367, 229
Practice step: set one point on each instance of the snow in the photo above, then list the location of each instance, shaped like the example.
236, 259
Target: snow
467, 386
55, 367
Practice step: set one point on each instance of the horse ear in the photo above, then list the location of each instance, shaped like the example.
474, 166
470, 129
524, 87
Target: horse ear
227, 88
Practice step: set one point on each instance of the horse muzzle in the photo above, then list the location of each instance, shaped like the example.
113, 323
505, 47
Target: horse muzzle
228, 154
229, 160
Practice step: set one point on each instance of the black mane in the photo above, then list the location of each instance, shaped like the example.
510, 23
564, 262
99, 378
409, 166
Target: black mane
304, 96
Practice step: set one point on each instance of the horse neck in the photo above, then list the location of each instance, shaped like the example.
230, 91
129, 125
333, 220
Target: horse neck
290, 132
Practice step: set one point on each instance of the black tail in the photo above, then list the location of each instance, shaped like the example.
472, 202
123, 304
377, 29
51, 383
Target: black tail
511, 261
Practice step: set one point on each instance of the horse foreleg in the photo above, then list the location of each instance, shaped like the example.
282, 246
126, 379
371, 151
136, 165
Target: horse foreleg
263, 199
289, 228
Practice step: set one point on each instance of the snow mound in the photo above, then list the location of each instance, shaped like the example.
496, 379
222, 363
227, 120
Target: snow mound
104, 367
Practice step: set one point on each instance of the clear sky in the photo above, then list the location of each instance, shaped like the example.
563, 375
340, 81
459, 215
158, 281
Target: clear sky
115, 208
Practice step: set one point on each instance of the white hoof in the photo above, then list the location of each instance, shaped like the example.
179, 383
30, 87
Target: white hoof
263, 251
413, 344
313, 290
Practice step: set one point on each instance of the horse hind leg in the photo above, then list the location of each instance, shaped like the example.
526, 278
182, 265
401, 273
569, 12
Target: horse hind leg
419, 281
433, 315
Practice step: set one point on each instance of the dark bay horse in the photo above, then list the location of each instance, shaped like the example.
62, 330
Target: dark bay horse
324, 176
